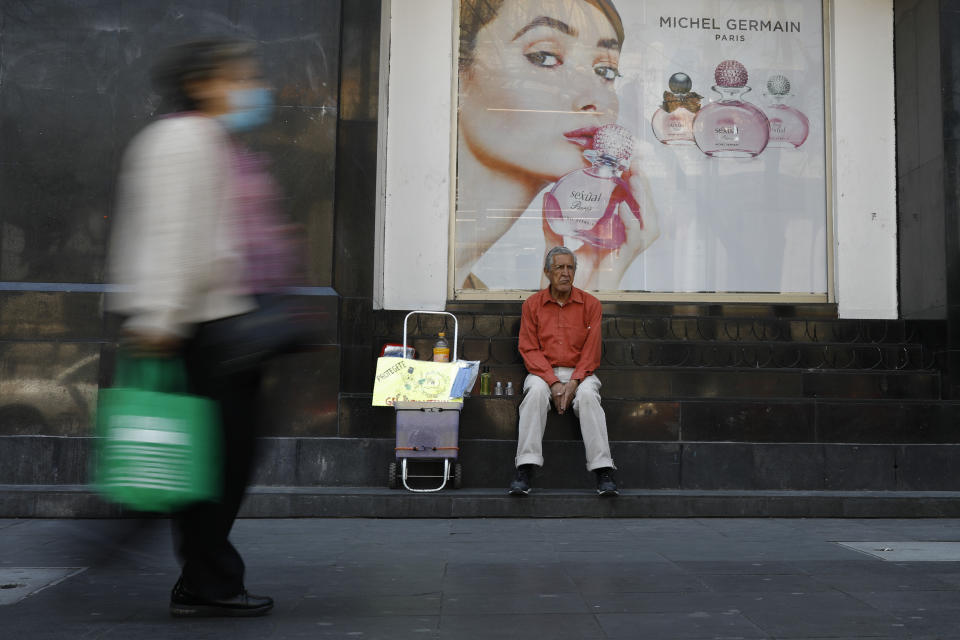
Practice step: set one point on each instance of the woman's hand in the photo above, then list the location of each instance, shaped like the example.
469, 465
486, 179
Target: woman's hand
150, 344
610, 265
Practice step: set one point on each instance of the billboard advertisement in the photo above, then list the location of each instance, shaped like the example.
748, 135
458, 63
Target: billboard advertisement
677, 146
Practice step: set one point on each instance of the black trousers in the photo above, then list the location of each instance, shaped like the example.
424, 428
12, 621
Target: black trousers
211, 566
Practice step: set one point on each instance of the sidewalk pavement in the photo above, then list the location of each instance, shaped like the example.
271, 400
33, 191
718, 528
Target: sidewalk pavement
466, 579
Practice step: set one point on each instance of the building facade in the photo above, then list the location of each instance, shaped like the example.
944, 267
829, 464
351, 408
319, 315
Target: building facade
816, 353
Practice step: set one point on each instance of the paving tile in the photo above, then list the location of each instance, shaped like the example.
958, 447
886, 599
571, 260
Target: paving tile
942, 623
493, 627
823, 614
608, 556
371, 605
904, 581
859, 565
625, 569
675, 626
748, 528
638, 583
909, 550
497, 578
513, 603
755, 568
462, 579
17, 583
668, 602
951, 578
748, 583
781, 550
912, 602
372, 628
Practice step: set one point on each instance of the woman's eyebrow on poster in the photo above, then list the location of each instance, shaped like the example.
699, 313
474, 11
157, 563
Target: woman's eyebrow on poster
563, 27
545, 21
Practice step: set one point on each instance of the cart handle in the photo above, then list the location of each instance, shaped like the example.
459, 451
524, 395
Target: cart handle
456, 329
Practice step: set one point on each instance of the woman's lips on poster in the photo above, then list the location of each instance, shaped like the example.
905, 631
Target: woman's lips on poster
582, 137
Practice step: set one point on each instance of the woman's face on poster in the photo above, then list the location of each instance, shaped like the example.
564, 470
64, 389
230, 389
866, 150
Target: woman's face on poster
539, 84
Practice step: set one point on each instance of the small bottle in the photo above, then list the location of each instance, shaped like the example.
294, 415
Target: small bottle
485, 381
731, 127
788, 127
441, 349
498, 389
673, 121
583, 204
509, 388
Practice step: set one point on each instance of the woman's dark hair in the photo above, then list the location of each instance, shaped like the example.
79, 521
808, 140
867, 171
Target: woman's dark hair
475, 14
191, 61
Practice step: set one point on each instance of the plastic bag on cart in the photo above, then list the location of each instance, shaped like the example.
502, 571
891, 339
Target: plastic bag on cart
466, 377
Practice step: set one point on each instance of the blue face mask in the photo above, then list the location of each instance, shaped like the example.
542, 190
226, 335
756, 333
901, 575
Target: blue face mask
249, 109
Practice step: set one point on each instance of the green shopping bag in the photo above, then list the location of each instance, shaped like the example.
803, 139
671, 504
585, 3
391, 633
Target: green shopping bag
158, 448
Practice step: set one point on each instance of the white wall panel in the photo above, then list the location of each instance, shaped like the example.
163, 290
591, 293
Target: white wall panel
416, 207
865, 202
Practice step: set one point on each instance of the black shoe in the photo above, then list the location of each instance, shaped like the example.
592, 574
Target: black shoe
606, 484
185, 604
521, 481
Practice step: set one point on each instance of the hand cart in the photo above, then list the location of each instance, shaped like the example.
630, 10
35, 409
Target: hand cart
427, 431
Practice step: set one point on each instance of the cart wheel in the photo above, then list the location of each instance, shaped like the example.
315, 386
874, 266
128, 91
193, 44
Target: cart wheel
457, 476
392, 482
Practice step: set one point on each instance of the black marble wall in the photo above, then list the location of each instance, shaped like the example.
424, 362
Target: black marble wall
74, 89
927, 39
356, 192
950, 187
920, 160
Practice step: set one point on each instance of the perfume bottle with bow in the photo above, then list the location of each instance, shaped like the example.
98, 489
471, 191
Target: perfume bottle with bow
731, 127
673, 121
583, 204
789, 128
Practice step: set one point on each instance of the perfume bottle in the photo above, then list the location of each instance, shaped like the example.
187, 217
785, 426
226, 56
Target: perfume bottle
673, 121
788, 127
731, 127
583, 204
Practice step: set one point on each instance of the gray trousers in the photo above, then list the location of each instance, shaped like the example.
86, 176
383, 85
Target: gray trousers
586, 406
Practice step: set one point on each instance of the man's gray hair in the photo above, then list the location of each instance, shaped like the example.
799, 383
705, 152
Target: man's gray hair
558, 251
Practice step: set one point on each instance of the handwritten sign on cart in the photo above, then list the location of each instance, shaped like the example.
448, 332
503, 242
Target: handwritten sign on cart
401, 379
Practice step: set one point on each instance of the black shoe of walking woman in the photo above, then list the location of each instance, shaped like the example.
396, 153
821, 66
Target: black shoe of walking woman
184, 604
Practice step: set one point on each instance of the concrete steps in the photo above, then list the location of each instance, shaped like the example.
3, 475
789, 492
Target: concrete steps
758, 412
67, 501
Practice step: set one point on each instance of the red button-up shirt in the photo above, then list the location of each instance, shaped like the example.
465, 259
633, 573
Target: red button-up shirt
555, 335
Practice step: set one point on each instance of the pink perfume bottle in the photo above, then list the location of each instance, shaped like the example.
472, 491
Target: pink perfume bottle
583, 204
731, 127
788, 127
673, 121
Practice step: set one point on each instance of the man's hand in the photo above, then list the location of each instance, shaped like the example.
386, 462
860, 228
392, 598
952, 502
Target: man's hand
563, 394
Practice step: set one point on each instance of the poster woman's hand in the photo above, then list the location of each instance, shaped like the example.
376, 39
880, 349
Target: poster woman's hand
611, 265
603, 269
